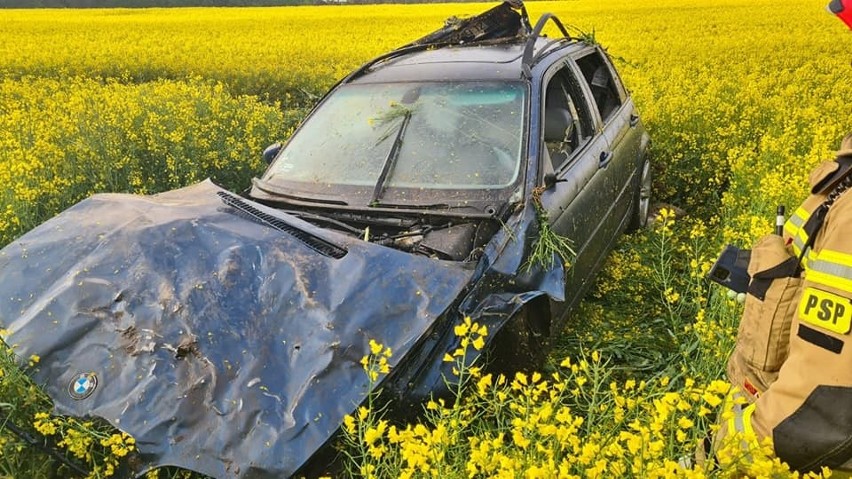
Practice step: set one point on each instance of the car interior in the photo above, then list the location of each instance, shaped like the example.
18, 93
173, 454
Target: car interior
599, 78
561, 132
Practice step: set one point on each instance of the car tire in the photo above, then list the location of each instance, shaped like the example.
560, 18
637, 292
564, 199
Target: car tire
641, 198
517, 347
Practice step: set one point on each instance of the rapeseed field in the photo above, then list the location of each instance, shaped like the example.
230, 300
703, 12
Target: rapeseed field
742, 98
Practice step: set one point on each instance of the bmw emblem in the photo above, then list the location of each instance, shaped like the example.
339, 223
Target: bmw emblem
83, 385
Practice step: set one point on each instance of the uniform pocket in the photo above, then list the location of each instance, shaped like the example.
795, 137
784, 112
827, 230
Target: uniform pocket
765, 326
763, 341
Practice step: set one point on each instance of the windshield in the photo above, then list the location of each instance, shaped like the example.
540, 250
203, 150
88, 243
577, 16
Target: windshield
435, 136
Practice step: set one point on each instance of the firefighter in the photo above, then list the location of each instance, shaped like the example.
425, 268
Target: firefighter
803, 400
792, 364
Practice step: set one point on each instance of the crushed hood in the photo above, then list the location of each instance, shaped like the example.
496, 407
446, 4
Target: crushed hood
223, 345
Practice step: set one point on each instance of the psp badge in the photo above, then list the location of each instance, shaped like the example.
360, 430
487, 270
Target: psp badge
83, 385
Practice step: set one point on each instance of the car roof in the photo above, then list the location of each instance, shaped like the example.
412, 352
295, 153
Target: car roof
479, 61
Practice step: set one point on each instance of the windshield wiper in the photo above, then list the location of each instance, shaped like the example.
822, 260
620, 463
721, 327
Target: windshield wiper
266, 187
477, 212
315, 218
428, 206
390, 160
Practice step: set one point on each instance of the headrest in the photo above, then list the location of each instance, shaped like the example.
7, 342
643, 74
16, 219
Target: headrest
556, 123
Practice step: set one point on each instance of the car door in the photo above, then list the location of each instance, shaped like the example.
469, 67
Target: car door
619, 119
576, 203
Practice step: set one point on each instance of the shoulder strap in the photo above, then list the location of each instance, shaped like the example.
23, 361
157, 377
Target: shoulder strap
815, 222
844, 167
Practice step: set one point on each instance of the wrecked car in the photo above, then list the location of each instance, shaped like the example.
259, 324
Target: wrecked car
224, 332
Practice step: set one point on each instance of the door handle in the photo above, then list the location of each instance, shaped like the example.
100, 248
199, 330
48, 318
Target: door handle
634, 120
606, 157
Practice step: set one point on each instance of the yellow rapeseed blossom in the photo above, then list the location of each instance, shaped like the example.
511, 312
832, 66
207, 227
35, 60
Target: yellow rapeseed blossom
64, 139
740, 101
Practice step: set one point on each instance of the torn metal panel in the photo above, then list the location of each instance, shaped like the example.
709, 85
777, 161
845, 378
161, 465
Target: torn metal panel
222, 345
504, 22
504, 284
226, 346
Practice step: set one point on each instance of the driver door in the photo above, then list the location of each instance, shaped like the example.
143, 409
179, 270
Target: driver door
571, 149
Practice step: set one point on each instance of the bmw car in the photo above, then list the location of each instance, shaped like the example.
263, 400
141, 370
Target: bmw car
224, 331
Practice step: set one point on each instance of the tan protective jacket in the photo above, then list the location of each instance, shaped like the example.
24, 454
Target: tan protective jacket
799, 373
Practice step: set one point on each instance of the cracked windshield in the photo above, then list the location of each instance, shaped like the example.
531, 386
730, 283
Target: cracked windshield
429, 135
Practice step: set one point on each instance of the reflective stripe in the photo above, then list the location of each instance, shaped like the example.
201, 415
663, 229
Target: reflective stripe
828, 280
747, 412
799, 217
794, 229
799, 241
836, 257
740, 423
790, 228
830, 268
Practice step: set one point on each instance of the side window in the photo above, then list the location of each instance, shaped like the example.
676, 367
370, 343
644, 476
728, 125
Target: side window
606, 91
567, 122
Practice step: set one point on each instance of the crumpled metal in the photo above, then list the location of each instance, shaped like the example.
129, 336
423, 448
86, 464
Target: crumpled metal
228, 347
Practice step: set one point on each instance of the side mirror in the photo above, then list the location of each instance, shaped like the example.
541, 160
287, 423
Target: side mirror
271, 152
550, 180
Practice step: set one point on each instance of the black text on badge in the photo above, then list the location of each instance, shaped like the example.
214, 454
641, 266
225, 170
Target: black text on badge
826, 310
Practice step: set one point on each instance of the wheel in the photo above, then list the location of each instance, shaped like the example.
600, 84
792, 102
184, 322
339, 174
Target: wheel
641, 199
518, 346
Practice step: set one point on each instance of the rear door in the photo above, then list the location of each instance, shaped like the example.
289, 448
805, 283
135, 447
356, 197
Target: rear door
618, 118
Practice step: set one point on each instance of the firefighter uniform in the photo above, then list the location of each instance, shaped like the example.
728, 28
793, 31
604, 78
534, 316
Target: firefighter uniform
793, 358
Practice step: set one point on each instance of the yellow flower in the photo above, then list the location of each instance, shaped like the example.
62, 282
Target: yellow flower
373, 434
349, 423
712, 399
44, 425
461, 329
